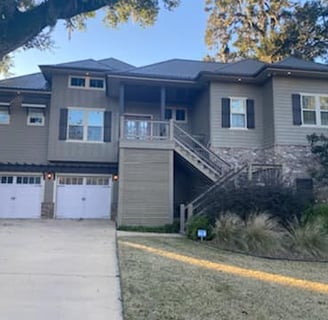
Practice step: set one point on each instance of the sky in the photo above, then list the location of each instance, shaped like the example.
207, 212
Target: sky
176, 34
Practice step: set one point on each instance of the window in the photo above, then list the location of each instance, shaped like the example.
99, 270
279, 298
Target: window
177, 114
35, 118
86, 83
70, 180
238, 113
28, 180
85, 125
6, 180
314, 109
97, 181
4, 116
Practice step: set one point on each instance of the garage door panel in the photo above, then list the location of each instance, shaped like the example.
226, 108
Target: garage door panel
20, 196
97, 201
87, 198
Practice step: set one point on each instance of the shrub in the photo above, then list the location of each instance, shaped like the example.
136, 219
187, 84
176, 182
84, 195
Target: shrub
278, 201
317, 211
308, 238
198, 222
168, 228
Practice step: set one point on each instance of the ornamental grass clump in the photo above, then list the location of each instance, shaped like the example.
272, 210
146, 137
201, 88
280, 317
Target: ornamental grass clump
228, 232
261, 234
308, 239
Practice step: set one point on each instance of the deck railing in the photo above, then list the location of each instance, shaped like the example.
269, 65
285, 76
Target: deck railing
140, 129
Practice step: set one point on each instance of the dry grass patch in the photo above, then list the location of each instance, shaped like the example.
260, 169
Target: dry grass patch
155, 287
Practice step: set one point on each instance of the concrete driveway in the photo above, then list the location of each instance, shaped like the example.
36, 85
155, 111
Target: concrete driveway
58, 270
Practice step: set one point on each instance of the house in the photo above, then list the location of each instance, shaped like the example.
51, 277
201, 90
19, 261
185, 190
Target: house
101, 139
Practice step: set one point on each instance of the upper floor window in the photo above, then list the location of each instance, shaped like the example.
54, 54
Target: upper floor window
238, 113
35, 117
4, 116
86, 83
314, 109
85, 125
177, 114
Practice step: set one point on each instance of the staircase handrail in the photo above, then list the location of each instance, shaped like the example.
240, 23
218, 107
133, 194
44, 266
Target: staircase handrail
197, 143
227, 177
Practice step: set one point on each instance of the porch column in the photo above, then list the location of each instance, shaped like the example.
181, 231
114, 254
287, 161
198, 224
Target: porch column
122, 100
163, 102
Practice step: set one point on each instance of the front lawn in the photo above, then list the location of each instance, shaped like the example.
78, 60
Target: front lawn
155, 287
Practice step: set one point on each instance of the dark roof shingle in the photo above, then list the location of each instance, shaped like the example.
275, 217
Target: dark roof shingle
34, 81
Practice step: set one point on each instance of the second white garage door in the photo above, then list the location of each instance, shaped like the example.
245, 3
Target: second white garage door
86, 197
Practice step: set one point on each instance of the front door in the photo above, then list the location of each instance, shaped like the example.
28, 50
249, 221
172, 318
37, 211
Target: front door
137, 126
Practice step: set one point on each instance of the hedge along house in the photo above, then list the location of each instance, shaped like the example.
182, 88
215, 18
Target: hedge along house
104, 139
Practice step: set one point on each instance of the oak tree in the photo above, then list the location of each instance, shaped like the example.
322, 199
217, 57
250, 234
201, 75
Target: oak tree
28, 23
268, 30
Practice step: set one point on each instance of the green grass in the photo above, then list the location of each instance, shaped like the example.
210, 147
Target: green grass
155, 287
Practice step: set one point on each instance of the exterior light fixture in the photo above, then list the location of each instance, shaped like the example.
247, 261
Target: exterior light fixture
289, 73
115, 177
49, 175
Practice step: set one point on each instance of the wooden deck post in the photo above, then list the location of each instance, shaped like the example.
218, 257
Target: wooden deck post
190, 210
182, 218
250, 172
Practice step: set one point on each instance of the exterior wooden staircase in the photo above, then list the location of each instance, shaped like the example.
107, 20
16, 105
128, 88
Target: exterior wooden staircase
220, 172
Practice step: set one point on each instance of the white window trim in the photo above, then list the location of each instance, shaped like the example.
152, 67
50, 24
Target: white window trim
174, 109
35, 124
7, 122
34, 105
85, 125
317, 110
87, 83
244, 99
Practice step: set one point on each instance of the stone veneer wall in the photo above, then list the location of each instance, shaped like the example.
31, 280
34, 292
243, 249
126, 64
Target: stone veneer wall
47, 210
295, 160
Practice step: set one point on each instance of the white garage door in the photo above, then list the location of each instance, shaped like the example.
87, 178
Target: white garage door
20, 196
83, 197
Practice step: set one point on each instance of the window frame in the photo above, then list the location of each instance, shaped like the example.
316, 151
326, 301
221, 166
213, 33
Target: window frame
244, 101
174, 110
85, 125
29, 116
317, 110
4, 108
87, 80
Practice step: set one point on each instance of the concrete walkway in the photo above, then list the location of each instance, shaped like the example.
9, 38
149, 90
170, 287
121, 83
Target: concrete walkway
58, 270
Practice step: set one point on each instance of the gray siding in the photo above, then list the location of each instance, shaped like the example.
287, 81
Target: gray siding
21, 143
145, 187
227, 137
200, 117
285, 132
64, 97
144, 108
268, 119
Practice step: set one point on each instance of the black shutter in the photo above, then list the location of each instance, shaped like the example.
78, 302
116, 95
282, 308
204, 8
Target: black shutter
107, 126
297, 111
225, 113
63, 124
250, 114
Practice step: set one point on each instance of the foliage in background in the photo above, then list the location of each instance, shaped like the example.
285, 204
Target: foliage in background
319, 148
198, 222
36, 19
267, 30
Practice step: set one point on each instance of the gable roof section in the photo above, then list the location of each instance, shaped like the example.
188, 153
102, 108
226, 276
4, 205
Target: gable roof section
88, 64
247, 67
116, 64
296, 63
174, 69
35, 81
